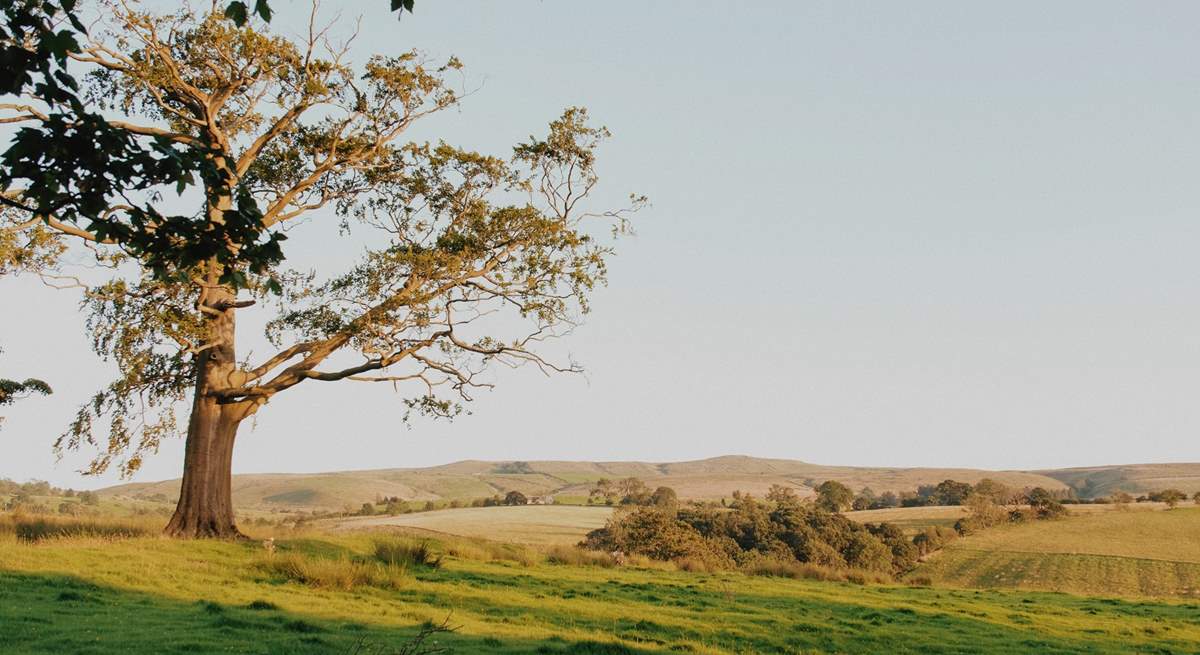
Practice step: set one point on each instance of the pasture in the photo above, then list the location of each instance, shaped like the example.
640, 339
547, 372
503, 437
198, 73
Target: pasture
152, 595
528, 524
1135, 552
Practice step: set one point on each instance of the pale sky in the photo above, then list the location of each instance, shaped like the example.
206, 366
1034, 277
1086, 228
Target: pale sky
887, 234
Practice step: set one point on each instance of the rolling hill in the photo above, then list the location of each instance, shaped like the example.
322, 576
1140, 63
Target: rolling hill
713, 478
709, 478
1097, 481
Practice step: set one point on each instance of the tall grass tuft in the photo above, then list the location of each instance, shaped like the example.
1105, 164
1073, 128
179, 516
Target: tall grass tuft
575, 556
401, 553
34, 529
343, 574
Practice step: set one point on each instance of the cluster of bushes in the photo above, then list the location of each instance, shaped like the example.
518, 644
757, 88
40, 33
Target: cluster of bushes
987, 511
753, 534
631, 491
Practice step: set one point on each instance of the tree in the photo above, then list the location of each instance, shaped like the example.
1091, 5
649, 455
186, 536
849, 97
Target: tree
633, 491
1196, 498
458, 238
605, 490
888, 499
997, 492
75, 160
515, 498
1171, 497
664, 498
865, 499
950, 492
833, 496
1044, 504
1121, 498
780, 494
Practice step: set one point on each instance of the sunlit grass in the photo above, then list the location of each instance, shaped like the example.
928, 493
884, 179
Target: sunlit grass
155, 595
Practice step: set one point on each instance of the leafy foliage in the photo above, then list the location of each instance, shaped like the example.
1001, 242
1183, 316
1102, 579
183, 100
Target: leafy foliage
785, 530
274, 130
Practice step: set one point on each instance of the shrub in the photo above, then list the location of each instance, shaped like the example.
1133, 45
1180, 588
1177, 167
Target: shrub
1171, 497
933, 538
515, 498
1044, 504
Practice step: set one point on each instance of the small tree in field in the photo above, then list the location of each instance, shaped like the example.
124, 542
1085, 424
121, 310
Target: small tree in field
834, 496
470, 260
515, 498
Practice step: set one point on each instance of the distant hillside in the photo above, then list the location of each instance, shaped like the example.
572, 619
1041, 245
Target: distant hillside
703, 479
1097, 481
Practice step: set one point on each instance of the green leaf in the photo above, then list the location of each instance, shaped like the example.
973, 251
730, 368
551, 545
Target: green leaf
237, 12
262, 8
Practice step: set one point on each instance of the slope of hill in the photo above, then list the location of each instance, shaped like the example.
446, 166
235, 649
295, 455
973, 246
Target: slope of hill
1097, 481
1139, 552
717, 477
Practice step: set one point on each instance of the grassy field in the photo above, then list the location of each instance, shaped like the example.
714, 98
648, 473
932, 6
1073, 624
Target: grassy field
151, 595
530, 524
1133, 552
911, 519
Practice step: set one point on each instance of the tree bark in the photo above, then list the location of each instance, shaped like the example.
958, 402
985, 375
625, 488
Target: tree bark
205, 508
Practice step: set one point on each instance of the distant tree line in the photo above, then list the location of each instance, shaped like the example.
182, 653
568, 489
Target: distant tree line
394, 505
34, 497
631, 491
835, 496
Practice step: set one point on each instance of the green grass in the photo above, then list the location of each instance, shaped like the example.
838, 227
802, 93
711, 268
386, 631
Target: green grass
152, 595
1137, 552
912, 519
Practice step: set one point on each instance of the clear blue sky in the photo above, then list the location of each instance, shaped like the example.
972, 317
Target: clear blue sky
899, 234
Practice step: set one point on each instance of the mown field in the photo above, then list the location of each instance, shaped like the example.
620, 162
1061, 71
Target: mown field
530, 524
151, 595
1136, 552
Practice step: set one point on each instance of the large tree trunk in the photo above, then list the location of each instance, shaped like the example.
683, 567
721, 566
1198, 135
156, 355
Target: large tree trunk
206, 497
205, 506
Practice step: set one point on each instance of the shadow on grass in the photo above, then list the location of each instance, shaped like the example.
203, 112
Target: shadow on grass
62, 614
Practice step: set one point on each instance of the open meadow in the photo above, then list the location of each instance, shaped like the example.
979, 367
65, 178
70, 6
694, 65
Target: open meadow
1134, 552
335, 593
527, 524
